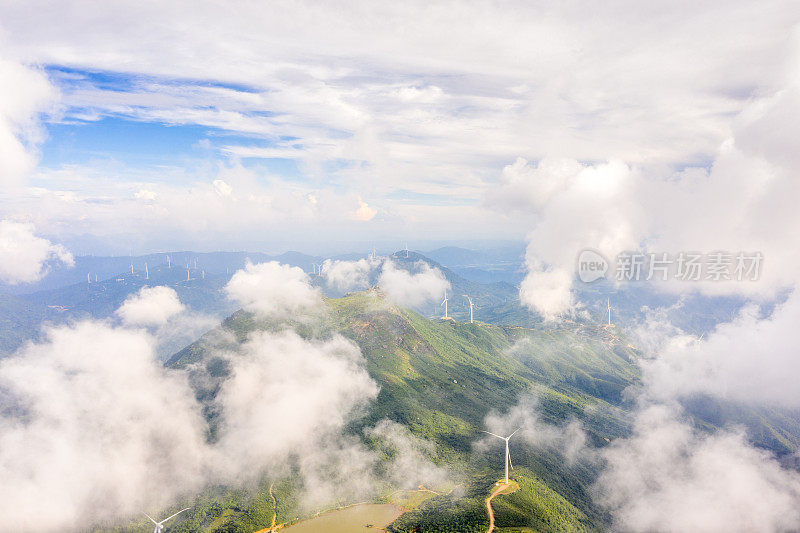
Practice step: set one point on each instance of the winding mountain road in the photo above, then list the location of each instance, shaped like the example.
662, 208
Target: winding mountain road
489, 510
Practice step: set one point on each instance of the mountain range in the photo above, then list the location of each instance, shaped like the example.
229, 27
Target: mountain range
438, 378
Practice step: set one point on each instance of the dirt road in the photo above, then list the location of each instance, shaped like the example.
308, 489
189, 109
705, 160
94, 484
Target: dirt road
489, 510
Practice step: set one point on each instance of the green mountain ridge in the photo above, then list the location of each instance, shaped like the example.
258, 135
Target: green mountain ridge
440, 378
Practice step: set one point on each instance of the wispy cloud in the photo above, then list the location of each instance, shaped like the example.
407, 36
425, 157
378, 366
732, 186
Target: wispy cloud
413, 112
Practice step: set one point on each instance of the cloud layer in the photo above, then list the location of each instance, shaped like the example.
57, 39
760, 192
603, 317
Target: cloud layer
738, 204
416, 127
24, 255
92, 423
751, 359
670, 477
306, 390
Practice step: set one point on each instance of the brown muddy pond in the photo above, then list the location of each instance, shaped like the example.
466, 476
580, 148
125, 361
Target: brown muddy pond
351, 520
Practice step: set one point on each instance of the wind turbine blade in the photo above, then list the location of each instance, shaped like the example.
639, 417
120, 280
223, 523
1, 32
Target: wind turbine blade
509, 461
176, 514
151, 518
514, 432
493, 434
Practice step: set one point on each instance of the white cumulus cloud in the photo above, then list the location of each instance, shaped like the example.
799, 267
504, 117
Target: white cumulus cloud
151, 306
24, 255
364, 211
348, 275
740, 204
24, 94
414, 288
670, 477
301, 390
751, 359
92, 424
272, 289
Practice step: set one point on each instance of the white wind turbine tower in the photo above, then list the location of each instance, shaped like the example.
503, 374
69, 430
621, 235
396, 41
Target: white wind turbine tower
444, 303
169, 262
508, 456
88, 277
471, 305
160, 525
406, 250
146, 272
608, 303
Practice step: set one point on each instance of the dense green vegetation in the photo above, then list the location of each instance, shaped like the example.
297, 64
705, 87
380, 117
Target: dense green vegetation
532, 506
537, 506
241, 511
440, 378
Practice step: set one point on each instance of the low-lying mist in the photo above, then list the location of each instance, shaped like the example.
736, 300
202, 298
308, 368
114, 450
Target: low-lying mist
94, 429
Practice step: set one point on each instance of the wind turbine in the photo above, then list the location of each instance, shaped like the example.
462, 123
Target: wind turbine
88, 277
406, 250
608, 303
169, 262
444, 303
471, 305
160, 525
146, 272
508, 457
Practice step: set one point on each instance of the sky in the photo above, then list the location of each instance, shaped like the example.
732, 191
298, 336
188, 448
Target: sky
152, 126
621, 126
